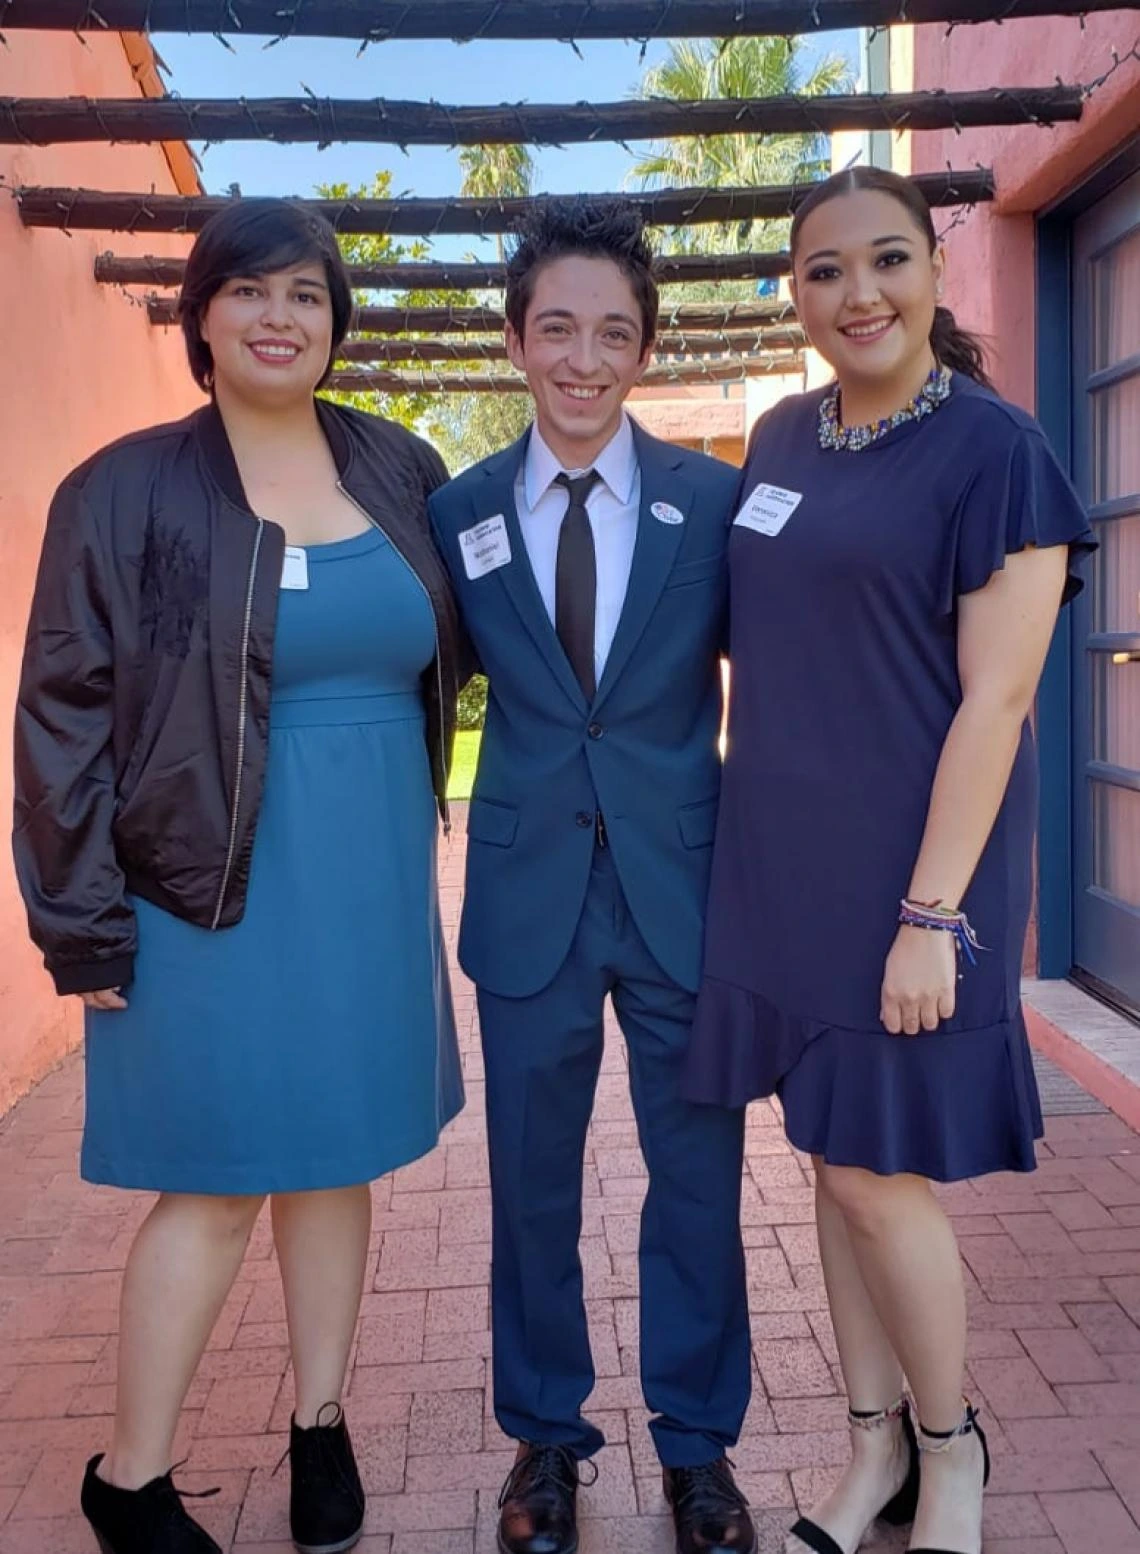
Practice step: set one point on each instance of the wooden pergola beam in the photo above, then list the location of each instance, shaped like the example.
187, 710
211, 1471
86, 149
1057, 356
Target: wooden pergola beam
686, 373
443, 320
44, 121
96, 211
779, 337
151, 270
379, 20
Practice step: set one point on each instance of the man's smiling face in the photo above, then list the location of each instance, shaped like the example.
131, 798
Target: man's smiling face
582, 351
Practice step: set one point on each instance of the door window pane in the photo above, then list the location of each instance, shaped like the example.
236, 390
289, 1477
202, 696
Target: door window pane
1116, 447
1116, 576
1116, 709
1116, 318
1116, 841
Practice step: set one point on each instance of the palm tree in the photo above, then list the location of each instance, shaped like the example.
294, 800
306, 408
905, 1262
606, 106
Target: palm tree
496, 172
736, 68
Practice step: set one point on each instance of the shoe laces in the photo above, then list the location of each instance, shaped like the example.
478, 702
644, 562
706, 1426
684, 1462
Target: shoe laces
546, 1467
170, 1487
322, 1441
704, 1491
173, 1513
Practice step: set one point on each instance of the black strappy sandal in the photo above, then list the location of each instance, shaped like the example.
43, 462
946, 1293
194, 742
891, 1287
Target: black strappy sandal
944, 1439
900, 1508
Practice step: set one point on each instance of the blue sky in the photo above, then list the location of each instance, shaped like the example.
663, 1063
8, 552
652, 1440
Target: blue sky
451, 73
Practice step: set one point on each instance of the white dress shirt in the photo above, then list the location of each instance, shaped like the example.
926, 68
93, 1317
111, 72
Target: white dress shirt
612, 506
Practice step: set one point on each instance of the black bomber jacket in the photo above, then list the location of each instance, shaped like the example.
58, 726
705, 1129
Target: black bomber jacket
142, 718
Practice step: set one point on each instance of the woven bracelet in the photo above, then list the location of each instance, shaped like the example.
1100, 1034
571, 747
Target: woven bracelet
923, 914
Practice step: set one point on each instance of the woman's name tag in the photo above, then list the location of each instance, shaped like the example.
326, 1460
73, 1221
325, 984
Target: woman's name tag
295, 568
768, 509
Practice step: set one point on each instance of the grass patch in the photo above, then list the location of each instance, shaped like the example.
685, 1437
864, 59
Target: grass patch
463, 763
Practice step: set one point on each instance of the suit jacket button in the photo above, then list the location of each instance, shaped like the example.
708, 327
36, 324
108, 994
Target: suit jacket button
595, 731
583, 819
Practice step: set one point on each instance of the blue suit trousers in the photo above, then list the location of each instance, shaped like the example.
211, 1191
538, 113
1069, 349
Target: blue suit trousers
542, 1057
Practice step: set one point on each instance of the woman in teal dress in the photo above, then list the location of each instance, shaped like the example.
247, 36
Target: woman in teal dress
237, 702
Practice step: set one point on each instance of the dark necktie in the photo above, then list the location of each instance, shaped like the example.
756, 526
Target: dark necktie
576, 580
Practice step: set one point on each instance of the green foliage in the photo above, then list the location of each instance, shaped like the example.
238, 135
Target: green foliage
364, 248
496, 172
735, 68
468, 427
464, 760
472, 703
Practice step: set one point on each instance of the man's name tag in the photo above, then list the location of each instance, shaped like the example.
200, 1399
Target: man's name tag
768, 509
485, 547
295, 568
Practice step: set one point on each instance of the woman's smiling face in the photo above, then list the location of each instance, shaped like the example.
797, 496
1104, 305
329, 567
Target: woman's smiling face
866, 286
270, 336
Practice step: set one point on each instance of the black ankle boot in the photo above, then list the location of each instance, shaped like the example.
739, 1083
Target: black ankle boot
150, 1520
326, 1502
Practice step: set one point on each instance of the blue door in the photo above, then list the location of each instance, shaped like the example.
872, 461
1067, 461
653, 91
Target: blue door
1106, 623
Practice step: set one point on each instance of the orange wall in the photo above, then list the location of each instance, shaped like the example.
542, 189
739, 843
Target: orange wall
80, 366
990, 279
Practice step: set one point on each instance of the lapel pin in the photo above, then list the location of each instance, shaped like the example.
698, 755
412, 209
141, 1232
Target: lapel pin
667, 513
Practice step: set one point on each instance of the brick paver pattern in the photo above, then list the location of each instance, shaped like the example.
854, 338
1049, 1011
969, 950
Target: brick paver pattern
1053, 1270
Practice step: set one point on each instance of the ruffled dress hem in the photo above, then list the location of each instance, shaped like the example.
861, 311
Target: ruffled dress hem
741, 1045
883, 1103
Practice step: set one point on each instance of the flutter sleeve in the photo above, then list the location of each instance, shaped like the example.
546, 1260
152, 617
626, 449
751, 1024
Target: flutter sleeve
1016, 497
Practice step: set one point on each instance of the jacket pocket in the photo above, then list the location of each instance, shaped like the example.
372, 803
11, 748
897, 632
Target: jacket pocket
702, 571
493, 823
698, 823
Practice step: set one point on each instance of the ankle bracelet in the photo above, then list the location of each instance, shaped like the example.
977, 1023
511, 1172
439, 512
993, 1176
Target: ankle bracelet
860, 1419
944, 1439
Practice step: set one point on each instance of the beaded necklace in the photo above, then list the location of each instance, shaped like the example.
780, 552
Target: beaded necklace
853, 439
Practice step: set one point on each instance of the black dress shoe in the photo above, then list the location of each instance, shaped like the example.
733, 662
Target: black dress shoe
709, 1512
326, 1498
150, 1520
538, 1503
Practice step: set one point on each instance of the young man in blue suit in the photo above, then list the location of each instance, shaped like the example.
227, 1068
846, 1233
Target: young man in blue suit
589, 561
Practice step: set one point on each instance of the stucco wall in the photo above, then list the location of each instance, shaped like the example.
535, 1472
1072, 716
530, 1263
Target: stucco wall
990, 279
80, 366
991, 275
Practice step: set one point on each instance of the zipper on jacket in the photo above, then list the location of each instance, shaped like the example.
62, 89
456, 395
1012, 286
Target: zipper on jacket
242, 710
348, 496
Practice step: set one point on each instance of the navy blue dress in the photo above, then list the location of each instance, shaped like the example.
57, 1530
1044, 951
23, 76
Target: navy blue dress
844, 686
312, 1045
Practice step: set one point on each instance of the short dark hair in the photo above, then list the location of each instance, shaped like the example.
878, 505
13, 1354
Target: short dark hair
592, 229
953, 346
258, 237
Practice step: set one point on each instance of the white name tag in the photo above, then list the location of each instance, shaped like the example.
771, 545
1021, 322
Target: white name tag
485, 547
295, 570
768, 509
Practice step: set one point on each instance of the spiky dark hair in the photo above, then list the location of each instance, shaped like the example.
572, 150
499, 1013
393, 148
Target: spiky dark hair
592, 229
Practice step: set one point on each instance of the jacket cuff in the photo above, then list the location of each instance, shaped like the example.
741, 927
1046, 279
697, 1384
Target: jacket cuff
92, 976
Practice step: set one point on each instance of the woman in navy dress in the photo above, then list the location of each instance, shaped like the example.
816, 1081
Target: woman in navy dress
237, 700
902, 546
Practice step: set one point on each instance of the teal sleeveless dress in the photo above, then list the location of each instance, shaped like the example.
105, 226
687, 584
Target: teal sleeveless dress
312, 1045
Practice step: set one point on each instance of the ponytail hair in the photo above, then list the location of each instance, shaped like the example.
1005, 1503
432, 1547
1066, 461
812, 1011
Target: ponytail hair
957, 348
953, 347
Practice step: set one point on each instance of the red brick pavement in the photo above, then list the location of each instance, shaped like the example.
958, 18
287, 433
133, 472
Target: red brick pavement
1053, 1265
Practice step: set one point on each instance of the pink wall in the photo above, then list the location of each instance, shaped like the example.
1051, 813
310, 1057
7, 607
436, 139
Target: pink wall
81, 366
990, 280
991, 276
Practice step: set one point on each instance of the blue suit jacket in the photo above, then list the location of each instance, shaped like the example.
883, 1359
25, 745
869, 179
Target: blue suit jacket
644, 752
